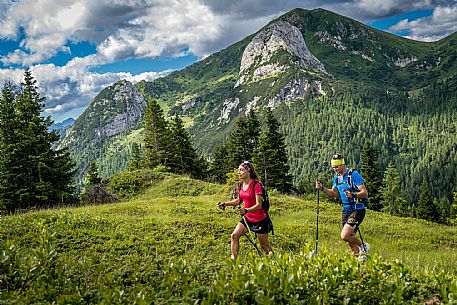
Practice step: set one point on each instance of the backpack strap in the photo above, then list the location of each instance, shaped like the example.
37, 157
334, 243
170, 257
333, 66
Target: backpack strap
352, 186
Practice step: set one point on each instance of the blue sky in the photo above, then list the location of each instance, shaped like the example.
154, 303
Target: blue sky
75, 48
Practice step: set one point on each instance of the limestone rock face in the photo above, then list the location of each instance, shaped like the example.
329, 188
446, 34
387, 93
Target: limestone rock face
115, 109
257, 57
132, 105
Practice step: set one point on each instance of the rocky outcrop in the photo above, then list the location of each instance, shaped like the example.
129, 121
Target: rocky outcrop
403, 62
256, 62
115, 109
296, 89
227, 107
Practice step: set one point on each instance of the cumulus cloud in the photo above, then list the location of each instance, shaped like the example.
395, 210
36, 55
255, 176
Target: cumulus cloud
136, 28
440, 24
72, 86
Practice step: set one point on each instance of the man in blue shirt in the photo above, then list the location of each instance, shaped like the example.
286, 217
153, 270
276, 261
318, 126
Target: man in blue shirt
350, 185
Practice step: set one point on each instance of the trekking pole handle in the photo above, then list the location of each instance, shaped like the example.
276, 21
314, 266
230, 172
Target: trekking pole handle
239, 209
221, 205
322, 185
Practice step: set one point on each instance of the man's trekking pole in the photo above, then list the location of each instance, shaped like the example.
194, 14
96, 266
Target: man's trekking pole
361, 239
317, 221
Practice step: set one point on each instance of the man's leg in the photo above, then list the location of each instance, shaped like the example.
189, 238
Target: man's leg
349, 236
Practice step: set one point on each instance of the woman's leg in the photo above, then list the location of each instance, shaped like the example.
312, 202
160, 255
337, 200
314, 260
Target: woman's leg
263, 239
239, 231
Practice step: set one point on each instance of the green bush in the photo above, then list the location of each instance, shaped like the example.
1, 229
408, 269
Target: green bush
131, 183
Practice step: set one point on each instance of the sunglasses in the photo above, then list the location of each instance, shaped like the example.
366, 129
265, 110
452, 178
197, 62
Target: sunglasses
337, 157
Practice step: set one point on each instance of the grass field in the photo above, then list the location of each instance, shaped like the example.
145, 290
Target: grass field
171, 245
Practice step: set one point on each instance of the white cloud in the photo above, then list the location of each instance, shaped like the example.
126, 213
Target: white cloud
442, 23
72, 86
165, 29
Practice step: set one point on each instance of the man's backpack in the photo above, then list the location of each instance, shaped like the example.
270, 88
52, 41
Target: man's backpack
354, 187
265, 198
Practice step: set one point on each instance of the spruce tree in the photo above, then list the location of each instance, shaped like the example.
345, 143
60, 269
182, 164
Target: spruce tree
8, 144
135, 158
92, 176
271, 157
239, 147
183, 158
220, 164
156, 138
426, 208
371, 174
39, 174
391, 193
253, 130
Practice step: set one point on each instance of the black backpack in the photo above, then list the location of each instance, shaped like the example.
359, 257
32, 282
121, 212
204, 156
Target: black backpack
265, 199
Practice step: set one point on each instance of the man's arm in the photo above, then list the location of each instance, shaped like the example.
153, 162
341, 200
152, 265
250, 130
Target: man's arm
329, 192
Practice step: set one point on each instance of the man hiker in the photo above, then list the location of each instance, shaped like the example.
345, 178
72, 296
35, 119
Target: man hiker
254, 217
349, 184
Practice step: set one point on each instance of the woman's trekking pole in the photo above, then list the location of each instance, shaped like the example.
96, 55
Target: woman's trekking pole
249, 232
317, 221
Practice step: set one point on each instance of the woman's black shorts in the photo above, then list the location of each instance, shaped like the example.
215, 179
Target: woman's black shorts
262, 227
353, 218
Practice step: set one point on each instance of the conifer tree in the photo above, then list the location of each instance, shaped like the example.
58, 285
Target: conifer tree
8, 143
156, 138
371, 174
253, 130
92, 176
453, 214
135, 159
183, 158
391, 194
271, 157
426, 208
40, 175
220, 164
239, 147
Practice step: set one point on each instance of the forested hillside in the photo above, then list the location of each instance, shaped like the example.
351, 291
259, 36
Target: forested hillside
416, 134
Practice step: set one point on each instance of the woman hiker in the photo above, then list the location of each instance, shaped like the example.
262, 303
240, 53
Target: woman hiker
250, 193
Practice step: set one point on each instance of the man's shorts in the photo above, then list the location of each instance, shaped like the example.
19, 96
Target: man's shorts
353, 218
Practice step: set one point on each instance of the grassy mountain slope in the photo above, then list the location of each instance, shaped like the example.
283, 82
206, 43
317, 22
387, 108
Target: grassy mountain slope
171, 245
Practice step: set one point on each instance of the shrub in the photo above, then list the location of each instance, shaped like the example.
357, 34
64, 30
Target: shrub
131, 183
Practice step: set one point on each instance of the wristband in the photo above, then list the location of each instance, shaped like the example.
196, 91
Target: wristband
354, 194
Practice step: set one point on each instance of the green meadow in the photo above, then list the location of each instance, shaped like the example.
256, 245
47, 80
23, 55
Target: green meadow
170, 245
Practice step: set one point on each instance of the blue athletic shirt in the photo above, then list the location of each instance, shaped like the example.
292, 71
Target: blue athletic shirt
341, 183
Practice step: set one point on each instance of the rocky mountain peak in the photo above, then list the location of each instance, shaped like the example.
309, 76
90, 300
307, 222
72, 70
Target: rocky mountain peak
112, 111
257, 57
